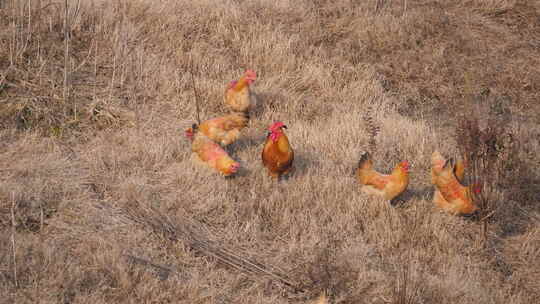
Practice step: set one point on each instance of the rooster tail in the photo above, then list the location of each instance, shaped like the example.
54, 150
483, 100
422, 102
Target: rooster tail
241, 118
436, 157
237, 120
364, 162
459, 170
448, 166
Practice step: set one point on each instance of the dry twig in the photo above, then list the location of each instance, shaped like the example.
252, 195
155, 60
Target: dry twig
372, 128
195, 235
195, 91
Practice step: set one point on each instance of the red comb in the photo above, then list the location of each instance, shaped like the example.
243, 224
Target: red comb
232, 84
251, 74
405, 164
189, 133
276, 125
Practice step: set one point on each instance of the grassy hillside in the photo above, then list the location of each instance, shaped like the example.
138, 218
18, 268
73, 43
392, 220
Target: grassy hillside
101, 200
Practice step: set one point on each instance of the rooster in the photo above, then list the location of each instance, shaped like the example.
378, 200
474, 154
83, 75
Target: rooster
437, 163
277, 154
224, 130
212, 154
388, 186
456, 198
238, 95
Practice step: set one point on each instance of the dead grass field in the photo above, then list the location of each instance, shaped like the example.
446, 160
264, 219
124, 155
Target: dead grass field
101, 202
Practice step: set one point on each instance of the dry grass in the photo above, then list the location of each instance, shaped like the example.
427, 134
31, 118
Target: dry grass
101, 202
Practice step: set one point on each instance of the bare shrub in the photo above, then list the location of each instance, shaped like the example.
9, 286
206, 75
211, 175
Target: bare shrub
483, 139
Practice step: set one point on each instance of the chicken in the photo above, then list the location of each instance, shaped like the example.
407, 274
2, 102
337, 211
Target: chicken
437, 164
224, 130
238, 95
212, 154
277, 154
388, 186
458, 199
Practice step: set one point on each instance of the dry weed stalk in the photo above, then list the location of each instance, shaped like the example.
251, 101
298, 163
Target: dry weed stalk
481, 138
404, 231
163, 272
372, 128
67, 34
13, 247
404, 291
196, 236
4, 76
195, 91
379, 5
67, 30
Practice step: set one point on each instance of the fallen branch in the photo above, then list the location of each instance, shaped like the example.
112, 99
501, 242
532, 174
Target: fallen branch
195, 235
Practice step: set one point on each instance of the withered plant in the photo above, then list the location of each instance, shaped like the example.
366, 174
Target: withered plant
482, 137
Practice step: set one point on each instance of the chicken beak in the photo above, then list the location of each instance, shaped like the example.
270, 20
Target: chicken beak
284, 126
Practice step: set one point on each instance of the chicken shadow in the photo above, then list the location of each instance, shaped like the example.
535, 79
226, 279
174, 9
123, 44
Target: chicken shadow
246, 142
303, 161
406, 198
242, 172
